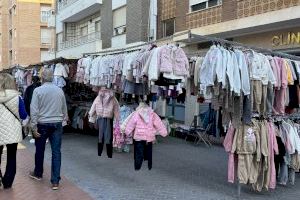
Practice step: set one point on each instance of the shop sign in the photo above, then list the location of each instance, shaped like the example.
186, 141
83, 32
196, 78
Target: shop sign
290, 38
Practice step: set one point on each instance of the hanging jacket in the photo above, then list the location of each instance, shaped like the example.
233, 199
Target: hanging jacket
289, 72
87, 64
198, 64
212, 61
236, 75
276, 71
105, 105
151, 67
60, 70
283, 72
80, 71
267, 74
173, 59
144, 124
293, 137
245, 82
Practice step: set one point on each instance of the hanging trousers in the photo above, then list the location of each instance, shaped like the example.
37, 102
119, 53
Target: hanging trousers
11, 165
142, 151
105, 136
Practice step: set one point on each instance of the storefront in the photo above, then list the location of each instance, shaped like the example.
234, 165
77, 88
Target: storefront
287, 40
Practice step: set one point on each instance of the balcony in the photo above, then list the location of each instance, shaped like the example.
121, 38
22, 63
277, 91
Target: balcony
75, 10
76, 47
65, 3
78, 41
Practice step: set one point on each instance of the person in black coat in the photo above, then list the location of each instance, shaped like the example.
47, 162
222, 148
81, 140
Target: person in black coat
29, 91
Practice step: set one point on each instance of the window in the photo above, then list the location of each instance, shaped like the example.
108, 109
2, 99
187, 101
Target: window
119, 21
15, 55
168, 27
45, 13
203, 4
97, 26
84, 31
199, 6
15, 33
212, 3
45, 36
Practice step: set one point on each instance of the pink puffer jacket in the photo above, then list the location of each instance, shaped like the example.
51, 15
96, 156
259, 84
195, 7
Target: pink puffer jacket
105, 105
173, 59
145, 124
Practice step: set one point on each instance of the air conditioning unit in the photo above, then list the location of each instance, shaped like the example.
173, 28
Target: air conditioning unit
124, 29
120, 30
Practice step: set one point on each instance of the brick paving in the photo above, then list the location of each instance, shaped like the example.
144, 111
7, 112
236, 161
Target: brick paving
25, 188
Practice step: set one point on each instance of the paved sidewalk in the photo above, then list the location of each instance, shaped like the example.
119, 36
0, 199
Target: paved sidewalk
180, 171
25, 188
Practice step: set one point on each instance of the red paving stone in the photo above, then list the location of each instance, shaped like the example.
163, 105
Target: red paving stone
25, 188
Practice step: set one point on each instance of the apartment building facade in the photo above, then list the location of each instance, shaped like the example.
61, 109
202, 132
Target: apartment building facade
127, 23
272, 24
26, 35
88, 26
78, 27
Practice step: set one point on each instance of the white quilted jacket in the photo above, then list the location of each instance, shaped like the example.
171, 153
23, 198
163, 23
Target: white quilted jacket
10, 127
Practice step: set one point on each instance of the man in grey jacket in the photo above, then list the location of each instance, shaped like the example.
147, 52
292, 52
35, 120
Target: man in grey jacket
48, 110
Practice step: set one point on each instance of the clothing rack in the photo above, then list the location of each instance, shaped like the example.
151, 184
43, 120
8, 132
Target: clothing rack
197, 38
127, 49
276, 117
110, 53
118, 51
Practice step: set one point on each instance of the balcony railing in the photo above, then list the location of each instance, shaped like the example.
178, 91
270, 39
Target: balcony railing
65, 3
79, 41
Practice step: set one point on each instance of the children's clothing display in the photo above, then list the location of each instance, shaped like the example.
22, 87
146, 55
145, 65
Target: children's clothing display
142, 151
60, 73
105, 108
120, 139
133, 72
243, 83
143, 125
264, 152
105, 126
